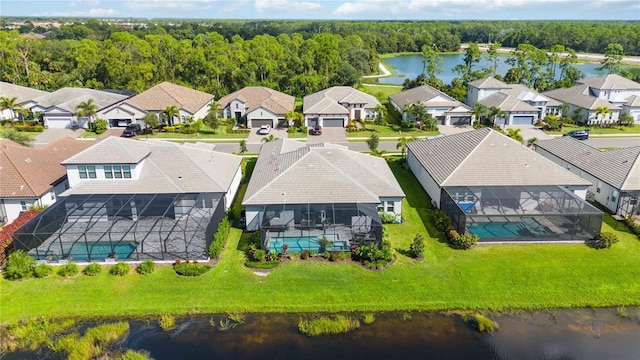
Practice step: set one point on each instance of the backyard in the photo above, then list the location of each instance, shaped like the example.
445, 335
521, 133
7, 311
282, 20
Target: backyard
500, 277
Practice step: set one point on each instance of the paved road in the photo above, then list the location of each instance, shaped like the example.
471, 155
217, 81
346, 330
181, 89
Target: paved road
613, 142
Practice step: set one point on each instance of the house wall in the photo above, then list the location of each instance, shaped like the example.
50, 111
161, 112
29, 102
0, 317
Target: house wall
633, 111
233, 189
262, 113
233, 107
254, 217
427, 182
73, 175
124, 111
12, 206
612, 95
593, 118
307, 117
474, 95
397, 206
6, 114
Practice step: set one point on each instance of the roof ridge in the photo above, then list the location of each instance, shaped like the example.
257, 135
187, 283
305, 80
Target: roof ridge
633, 165
466, 158
24, 179
165, 175
171, 96
198, 165
345, 175
353, 155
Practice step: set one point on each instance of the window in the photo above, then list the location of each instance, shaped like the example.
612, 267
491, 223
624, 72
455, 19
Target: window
390, 207
381, 206
87, 171
614, 196
83, 171
633, 201
23, 205
117, 171
108, 172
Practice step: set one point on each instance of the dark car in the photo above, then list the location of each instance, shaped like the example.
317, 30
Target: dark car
132, 130
578, 134
316, 130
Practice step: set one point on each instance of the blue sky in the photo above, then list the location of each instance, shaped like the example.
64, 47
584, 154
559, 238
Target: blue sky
332, 9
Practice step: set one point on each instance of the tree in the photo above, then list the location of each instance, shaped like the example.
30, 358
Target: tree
268, 138
471, 57
10, 104
87, 109
381, 114
16, 137
479, 110
402, 144
243, 146
169, 113
515, 135
494, 114
432, 66
602, 113
531, 142
212, 121
493, 57
626, 119
416, 249
294, 118
372, 143
151, 119
613, 54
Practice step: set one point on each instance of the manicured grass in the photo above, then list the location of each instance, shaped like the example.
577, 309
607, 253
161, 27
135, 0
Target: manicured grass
387, 131
381, 92
88, 135
614, 130
297, 135
495, 277
205, 133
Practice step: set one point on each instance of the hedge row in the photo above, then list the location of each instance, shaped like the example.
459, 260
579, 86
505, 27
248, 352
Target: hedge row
219, 238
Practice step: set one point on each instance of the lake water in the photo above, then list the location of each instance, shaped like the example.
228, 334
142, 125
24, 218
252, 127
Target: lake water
410, 66
558, 334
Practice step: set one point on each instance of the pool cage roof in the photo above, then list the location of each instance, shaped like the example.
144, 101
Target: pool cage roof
518, 200
151, 226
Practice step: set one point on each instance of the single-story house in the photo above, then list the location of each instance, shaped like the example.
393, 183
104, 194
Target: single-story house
33, 176
521, 105
257, 105
614, 174
493, 186
336, 106
136, 200
446, 109
21, 93
299, 194
190, 103
59, 107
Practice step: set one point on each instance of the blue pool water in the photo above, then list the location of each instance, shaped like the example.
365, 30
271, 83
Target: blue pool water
301, 243
507, 229
101, 250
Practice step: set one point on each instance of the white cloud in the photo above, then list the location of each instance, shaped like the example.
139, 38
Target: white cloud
287, 6
97, 12
179, 5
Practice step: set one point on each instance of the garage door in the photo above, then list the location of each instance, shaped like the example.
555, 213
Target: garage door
460, 120
59, 122
256, 123
312, 122
333, 122
522, 120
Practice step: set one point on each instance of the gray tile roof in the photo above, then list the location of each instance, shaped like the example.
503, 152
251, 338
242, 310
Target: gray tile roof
485, 157
112, 150
425, 95
327, 101
579, 96
489, 83
171, 168
619, 168
610, 82
507, 103
321, 173
22, 93
633, 101
166, 94
259, 96
68, 98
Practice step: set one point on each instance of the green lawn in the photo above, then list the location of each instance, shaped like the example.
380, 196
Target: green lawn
381, 92
614, 130
486, 277
388, 131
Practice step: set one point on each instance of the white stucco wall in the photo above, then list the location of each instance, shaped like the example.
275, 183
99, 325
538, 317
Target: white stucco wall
397, 205
321, 118
252, 214
427, 182
73, 175
233, 189
262, 113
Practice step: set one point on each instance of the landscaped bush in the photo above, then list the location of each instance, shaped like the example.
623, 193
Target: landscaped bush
146, 267
374, 256
70, 269
167, 322
632, 225
440, 220
6, 232
220, 238
334, 256
92, 269
604, 240
191, 268
417, 246
120, 269
42, 270
29, 128
328, 325
19, 265
483, 324
463, 241
387, 218
259, 255
304, 255
100, 126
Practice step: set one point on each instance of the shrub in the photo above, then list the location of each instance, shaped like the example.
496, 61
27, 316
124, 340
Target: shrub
120, 269
334, 256
387, 218
19, 265
191, 269
374, 256
483, 324
263, 264
167, 322
6, 232
604, 240
464, 241
42, 270
304, 255
369, 319
146, 267
440, 220
632, 225
328, 325
220, 238
417, 246
324, 244
70, 269
100, 126
134, 355
259, 255
92, 269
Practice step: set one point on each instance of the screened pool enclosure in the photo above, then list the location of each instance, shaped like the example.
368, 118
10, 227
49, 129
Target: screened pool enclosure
520, 213
123, 227
303, 226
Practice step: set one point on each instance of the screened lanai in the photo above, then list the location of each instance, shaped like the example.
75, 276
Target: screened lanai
302, 226
123, 227
520, 213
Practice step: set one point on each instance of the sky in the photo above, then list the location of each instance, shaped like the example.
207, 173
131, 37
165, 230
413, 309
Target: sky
332, 9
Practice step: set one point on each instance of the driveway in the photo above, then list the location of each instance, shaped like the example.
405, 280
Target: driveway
333, 135
51, 135
452, 130
255, 138
530, 132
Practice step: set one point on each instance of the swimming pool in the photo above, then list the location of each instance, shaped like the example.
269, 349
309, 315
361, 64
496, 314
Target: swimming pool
298, 244
100, 250
527, 228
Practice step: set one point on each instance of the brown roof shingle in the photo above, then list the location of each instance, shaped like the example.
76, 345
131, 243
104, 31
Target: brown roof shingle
260, 96
167, 94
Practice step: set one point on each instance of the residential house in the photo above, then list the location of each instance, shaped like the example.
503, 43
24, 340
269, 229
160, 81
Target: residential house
189, 102
521, 105
257, 106
33, 176
446, 109
614, 174
21, 93
336, 106
59, 111
136, 200
299, 194
614, 92
492, 186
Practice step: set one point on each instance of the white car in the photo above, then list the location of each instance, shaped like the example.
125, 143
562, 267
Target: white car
264, 129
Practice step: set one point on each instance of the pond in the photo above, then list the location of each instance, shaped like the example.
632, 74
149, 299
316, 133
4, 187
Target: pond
410, 66
556, 334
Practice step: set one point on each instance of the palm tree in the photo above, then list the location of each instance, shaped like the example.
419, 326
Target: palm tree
381, 114
602, 113
479, 110
402, 144
515, 135
169, 113
496, 113
87, 109
10, 104
268, 138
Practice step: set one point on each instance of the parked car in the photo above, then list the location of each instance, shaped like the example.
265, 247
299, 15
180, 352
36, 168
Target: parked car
578, 134
132, 130
264, 129
316, 130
